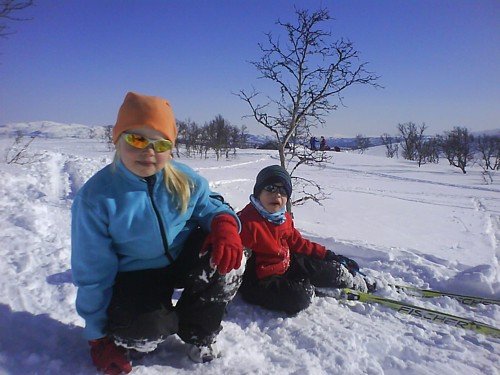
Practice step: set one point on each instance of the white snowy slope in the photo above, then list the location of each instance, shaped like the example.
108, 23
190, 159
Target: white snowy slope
431, 227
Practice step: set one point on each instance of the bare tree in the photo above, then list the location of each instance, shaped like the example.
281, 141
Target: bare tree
416, 146
427, 151
309, 69
189, 135
457, 147
203, 145
8, 12
218, 134
108, 137
362, 143
488, 157
391, 144
242, 138
237, 138
412, 137
181, 135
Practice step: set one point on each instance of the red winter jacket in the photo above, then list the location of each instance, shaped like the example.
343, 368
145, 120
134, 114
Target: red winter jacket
271, 244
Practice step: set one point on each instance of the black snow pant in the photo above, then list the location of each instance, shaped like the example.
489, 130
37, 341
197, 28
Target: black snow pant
294, 290
141, 308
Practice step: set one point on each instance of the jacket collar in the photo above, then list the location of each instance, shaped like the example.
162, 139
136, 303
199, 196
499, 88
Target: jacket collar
125, 173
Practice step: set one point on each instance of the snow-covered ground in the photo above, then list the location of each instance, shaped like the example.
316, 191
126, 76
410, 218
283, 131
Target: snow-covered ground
431, 227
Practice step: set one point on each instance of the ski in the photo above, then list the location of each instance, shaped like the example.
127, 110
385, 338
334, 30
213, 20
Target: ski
430, 293
434, 316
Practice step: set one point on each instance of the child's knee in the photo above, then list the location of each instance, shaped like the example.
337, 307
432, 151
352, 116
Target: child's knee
299, 299
145, 331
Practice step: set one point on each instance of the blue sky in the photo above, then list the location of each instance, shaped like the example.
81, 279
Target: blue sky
75, 61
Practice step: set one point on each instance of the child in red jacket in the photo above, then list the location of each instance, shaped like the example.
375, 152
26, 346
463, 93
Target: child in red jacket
285, 267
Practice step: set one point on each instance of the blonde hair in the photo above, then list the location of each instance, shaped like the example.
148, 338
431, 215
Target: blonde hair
176, 182
179, 184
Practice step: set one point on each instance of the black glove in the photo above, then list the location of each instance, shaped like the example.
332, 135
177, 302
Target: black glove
348, 263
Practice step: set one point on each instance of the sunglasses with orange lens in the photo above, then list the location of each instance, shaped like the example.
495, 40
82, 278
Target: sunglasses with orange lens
140, 142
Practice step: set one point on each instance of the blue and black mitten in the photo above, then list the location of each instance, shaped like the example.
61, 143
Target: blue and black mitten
348, 263
353, 268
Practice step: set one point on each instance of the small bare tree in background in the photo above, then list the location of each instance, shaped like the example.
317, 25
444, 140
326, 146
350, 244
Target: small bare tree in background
243, 137
391, 144
218, 133
308, 68
9, 10
237, 139
189, 135
488, 157
412, 137
108, 137
362, 143
181, 135
428, 151
457, 147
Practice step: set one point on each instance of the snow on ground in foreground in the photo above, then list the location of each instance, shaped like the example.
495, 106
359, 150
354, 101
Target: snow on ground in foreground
430, 226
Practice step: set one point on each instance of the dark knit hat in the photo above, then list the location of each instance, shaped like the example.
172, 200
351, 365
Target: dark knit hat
271, 175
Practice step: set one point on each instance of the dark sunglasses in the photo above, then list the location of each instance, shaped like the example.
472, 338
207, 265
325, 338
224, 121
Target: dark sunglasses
275, 189
141, 142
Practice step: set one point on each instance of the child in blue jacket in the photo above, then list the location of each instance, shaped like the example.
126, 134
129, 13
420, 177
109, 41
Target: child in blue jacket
141, 227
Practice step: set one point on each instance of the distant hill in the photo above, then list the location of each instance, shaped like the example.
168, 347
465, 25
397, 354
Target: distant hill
350, 142
258, 140
343, 143
491, 133
50, 129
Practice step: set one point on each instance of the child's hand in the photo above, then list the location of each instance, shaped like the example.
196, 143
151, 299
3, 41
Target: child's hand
350, 264
227, 249
108, 357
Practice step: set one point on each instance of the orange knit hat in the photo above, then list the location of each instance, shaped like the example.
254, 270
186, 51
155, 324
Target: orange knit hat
149, 111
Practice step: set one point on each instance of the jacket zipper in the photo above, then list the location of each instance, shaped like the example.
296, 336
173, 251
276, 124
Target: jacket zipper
151, 183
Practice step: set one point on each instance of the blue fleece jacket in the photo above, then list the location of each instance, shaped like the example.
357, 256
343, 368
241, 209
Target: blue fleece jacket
115, 228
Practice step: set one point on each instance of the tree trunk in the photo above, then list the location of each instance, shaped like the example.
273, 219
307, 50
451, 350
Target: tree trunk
281, 150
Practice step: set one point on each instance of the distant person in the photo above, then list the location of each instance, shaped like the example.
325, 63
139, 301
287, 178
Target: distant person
322, 144
284, 267
141, 227
312, 143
